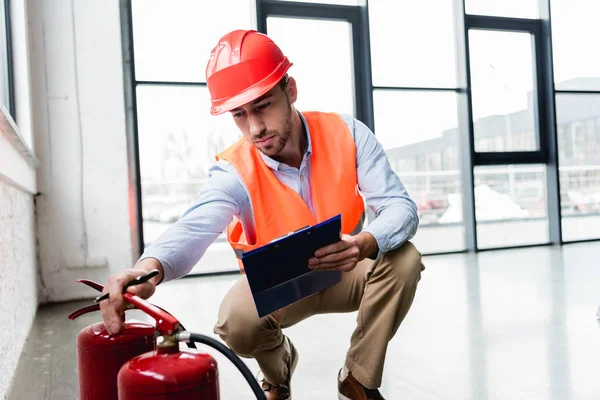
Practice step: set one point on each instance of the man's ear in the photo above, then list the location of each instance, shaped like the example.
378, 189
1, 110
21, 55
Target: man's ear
292, 90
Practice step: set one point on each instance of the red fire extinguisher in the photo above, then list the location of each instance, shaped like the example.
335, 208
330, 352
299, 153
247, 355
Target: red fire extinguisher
145, 362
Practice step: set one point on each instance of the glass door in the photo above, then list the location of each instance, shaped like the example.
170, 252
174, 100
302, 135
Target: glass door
509, 139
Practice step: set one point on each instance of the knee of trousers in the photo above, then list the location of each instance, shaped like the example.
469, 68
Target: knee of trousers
244, 332
405, 263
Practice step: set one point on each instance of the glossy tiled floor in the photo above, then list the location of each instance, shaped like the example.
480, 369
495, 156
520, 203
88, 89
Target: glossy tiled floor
515, 324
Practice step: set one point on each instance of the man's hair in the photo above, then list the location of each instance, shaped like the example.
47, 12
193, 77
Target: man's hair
283, 82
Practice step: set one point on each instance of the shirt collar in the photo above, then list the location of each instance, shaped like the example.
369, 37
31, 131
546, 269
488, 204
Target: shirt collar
276, 165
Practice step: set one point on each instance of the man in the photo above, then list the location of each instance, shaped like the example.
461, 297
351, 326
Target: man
290, 170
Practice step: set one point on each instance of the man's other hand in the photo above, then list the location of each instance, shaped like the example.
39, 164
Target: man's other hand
345, 254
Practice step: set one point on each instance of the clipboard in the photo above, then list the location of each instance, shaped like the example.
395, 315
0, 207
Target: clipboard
278, 272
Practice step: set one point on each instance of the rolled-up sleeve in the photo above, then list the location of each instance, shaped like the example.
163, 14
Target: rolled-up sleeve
396, 213
182, 245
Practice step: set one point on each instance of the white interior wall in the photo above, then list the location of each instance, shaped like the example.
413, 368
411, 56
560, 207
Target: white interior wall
18, 299
79, 129
18, 288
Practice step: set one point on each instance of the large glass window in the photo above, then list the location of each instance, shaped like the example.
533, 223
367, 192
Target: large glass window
503, 8
178, 138
577, 68
502, 82
413, 49
321, 51
423, 151
173, 39
578, 120
414, 90
412, 43
575, 33
510, 205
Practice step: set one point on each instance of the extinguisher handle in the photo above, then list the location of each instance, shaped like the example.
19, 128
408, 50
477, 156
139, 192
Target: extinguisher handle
165, 322
84, 310
137, 281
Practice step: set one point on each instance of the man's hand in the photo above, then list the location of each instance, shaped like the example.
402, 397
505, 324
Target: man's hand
345, 254
113, 307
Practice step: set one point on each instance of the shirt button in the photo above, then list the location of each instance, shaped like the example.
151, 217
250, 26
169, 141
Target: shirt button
302, 177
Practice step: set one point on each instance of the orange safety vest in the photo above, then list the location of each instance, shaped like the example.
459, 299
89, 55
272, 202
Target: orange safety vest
278, 209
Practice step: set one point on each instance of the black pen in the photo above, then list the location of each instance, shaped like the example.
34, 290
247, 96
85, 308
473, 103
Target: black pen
137, 281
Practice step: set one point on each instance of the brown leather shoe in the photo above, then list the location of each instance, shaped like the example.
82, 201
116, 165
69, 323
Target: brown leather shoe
283, 391
351, 389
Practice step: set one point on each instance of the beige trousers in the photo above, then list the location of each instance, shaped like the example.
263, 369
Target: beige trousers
382, 291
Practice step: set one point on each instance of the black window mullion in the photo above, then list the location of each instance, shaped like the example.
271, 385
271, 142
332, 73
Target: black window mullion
465, 124
541, 127
548, 119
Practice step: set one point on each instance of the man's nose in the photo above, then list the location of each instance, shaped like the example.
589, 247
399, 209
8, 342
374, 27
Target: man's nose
257, 125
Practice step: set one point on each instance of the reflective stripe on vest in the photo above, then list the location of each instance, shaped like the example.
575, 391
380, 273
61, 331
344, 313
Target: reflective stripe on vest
278, 209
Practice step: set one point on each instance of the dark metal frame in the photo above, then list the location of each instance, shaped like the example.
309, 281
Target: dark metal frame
135, 182
465, 125
548, 116
9, 61
170, 83
533, 27
544, 105
584, 92
358, 17
418, 89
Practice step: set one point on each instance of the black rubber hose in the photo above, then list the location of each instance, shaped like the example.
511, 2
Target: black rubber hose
227, 352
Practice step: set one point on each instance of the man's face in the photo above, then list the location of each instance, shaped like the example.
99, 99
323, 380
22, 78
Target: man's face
267, 121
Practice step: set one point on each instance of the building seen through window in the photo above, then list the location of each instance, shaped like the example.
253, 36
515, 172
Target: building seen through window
430, 169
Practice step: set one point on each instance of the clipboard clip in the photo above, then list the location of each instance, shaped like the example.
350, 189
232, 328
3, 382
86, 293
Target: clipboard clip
291, 233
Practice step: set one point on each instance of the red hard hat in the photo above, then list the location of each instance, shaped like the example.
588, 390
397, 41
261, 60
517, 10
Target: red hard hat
243, 66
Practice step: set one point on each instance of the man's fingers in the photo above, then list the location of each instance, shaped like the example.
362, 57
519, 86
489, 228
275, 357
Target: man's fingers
113, 308
329, 265
334, 264
344, 267
330, 258
143, 290
332, 248
111, 316
348, 253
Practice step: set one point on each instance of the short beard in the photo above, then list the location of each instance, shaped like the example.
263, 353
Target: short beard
283, 136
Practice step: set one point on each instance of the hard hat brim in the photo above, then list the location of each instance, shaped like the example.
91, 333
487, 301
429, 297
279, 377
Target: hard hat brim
252, 93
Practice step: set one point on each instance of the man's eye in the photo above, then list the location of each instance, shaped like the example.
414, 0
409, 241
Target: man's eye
263, 105
238, 114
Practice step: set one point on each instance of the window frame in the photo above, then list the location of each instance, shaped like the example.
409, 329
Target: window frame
466, 156
9, 59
